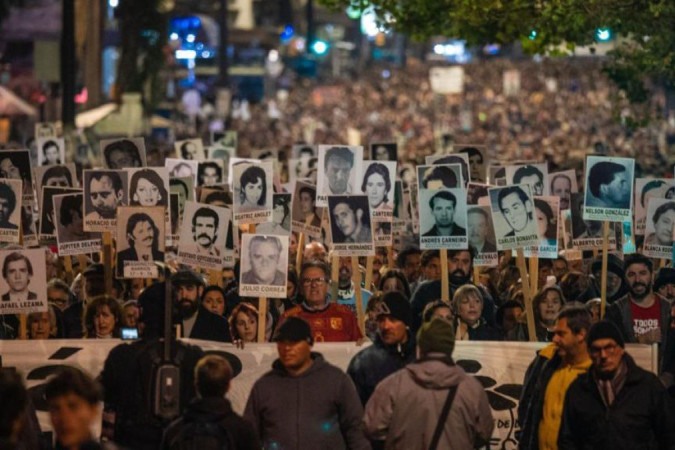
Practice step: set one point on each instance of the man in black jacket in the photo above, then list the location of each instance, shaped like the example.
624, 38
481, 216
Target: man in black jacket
210, 416
394, 346
617, 404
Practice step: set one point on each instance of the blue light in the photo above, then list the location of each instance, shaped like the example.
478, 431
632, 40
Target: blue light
603, 34
533, 35
288, 33
319, 47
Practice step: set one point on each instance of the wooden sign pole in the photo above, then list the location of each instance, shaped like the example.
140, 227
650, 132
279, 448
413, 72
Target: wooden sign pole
262, 318
334, 277
299, 253
534, 276
445, 285
369, 272
68, 266
358, 295
107, 261
23, 318
527, 294
603, 276
476, 275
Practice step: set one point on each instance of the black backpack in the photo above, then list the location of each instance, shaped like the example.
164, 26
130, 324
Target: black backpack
202, 436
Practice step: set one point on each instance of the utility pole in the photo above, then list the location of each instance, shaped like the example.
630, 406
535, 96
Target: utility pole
68, 65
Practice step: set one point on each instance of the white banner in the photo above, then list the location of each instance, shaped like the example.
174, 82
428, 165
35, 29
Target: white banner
499, 366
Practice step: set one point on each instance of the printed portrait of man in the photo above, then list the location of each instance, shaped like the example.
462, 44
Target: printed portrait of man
189, 150
179, 187
351, 220
443, 205
663, 219
57, 176
143, 239
308, 206
209, 173
531, 176
15, 165
106, 194
71, 220
476, 163
455, 159
17, 271
561, 186
610, 185
181, 170
264, 254
478, 224
205, 232
517, 209
122, 154
437, 177
383, 152
7, 206
338, 166
51, 153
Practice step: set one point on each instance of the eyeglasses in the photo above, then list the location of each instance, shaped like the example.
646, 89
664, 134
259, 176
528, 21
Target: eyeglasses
609, 349
313, 281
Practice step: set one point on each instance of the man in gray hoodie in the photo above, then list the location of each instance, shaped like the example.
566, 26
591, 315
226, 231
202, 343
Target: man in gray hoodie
305, 402
405, 411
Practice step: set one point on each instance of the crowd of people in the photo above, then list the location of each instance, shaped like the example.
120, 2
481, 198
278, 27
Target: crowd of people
404, 390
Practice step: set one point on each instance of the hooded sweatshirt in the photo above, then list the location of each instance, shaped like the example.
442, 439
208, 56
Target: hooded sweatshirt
318, 409
405, 408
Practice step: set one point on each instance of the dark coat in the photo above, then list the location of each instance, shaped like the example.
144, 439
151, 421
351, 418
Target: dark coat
210, 327
373, 364
31, 296
72, 321
217, 411
531, 404
456, 231
484, 332
641, 417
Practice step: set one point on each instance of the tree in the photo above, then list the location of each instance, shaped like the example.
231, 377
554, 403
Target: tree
644, 55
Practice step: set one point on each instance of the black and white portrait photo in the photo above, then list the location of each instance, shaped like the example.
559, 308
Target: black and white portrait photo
384, 151
457, 158
190, 149
547, 213
658, 241
481, 235
140, 241
442, 218
477, 194
609, 188
280, 225
210, 173
10, 210
586, 234
45, 130
184, 189
306, 216
61, 176
70, 234
645, 190
339, 170
263, 262
179, 168
15, 165
104, 191
227, 138
563, 185
513, 216
533, 175
252, 192
51, 151
23, 287
350, 223
377, 182
47, 213
203, 235
448, 176
303, 151
149, 187
123, 153
478, 161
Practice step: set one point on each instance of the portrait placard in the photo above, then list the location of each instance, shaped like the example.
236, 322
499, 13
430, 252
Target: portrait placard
210, 173
496, 174
478, 160
431, 177
306, 216
63, 175
252, 192
303, 169
10, 210
339, 171
184, 189
264, 260
303, 151
377, 182
46, 130
104, 191
562, 185
280, 225
15, 165
23, 286
512, 209
203, 235
140, 241
547, 212
384, 151
658, 241
398, 222
646, 189
227, 138
180, 168
587, 234
47, 214
351, 228
533, 175
234, 161
609, 188
455, 158
443, 219
190, 149
481, 236
123, 153
50, 151
70, 235
221, 154
475, 192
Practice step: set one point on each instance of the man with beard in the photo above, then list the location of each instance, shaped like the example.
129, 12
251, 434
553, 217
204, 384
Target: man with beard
346, 294
549, 376
460, 268
205, 232
642, 316
106, 193
196, 321
394, 345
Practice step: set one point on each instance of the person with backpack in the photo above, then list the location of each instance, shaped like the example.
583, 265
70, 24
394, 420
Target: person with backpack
209, 422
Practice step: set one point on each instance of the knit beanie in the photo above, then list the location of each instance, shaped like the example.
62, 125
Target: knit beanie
437, 336
396, 305
605, 329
